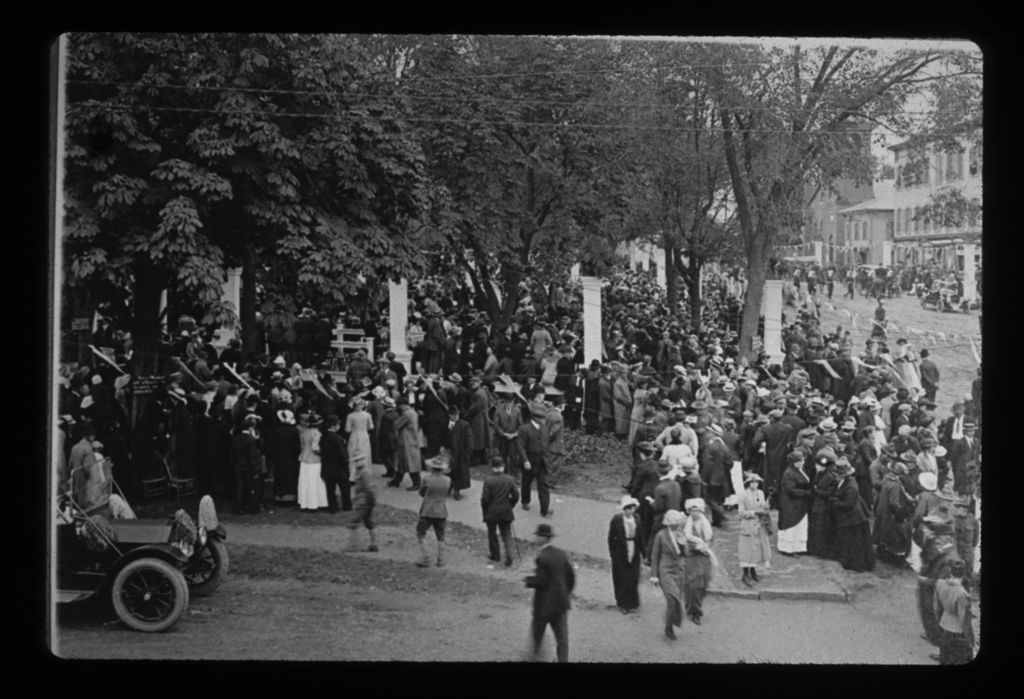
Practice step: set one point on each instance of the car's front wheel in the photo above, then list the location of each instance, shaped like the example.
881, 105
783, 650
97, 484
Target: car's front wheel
207, 567
150, 594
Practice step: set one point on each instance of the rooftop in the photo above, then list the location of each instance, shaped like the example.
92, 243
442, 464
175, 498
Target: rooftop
883, 200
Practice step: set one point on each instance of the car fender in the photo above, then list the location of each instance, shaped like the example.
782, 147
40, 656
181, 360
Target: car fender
162, 551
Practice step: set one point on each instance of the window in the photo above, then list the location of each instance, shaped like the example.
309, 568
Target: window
899, 173
960, 166
938, 168
949, 168
906, 219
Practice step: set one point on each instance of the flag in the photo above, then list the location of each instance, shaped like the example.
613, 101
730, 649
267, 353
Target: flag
828, 368
107, 359
319, 386
184, 368
974, 350
235, 374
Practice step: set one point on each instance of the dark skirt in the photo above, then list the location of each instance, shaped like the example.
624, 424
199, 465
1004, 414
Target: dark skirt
695, 585
821, 535
626, 581
925, 602
891, 536
854, 550
955, 649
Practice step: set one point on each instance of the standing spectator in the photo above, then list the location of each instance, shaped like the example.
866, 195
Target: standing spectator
794, 504
853, 539
968, 535
433, 343
622, 401
821, 529
388, 438
592, 398
668, 548
508, 418
498, 499
700, 559
715, 473
892, 516
625, 547
929, 375
433, 510
358, 425
532, 455
963, 456
407, 436
459, 441
642, 486
606, 393
312, 490
248, 464
476, 416
552, 583
754, 545
777, 437
334, 466
952, 606
551, 431
364, 502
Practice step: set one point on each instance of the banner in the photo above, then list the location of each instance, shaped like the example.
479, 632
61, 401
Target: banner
240, 379
974, 349
107, 359
828, 368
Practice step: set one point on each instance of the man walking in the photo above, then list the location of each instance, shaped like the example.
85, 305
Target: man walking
532, 455
929, 375
334, 466
498, 501
552, 582
248, 463
433, 510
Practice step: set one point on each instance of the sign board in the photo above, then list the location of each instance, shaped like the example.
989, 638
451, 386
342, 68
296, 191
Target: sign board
80, 324
145, 385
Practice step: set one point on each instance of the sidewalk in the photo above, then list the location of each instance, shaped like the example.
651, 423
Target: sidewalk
581, 527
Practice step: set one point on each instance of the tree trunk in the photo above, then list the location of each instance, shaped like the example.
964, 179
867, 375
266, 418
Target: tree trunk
247, 301
694, 291
671, 276
757, 272
146, 327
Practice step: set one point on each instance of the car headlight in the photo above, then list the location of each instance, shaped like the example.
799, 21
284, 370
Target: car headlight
185, 547
202, 536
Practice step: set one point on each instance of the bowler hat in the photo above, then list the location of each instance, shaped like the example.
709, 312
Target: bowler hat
544, 530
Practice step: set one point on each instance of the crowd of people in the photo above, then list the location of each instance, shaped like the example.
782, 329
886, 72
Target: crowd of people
843, 442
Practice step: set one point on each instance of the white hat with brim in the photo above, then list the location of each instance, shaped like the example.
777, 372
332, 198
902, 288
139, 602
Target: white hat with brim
673, 518
628, 501
929, 481
692, 503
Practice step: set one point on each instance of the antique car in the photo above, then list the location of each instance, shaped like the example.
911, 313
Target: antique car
138, 564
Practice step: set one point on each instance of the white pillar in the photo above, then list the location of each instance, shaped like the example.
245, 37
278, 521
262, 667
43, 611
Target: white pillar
574, 272
398, 317
772, 310
592, 347
231, 292
660, 274
970, 293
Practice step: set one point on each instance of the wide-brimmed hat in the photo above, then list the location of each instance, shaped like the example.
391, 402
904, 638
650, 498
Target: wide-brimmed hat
940, 451
673, 518
437, 463
692, 503
828, 425
844, 469
825, 455
545, 530
648, 447
928, 480
628, 501
750, 476
455, 377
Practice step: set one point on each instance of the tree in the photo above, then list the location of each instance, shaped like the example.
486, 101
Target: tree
189, 153
527, 181
790, 117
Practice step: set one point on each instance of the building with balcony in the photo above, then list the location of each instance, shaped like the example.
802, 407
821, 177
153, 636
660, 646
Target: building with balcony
921, 173
865, 230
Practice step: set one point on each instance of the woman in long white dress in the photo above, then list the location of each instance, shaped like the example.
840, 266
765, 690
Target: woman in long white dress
358, 425
312, 493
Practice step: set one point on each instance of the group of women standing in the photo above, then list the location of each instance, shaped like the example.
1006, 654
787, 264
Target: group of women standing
312, 489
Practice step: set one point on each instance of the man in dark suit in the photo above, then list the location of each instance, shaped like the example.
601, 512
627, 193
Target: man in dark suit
552, 582
777, 437
929, 375
334, 465
532, 453
963, 458
498, 500
716, 464
248, 464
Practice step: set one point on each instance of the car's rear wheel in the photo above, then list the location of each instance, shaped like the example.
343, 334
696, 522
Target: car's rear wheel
150, 594
207, 568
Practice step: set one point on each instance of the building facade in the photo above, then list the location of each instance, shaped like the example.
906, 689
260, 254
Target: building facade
920, 174
865, 235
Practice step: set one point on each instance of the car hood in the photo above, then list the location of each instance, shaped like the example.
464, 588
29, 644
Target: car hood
142, 531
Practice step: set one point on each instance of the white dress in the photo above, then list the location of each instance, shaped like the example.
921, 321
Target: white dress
312, 493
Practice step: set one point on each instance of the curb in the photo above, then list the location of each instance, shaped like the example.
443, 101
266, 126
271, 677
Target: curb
797, 595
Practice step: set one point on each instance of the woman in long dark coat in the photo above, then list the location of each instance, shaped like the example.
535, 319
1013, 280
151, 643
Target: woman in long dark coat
854, 550
625, 547
893, 509
668, 567
821, 529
